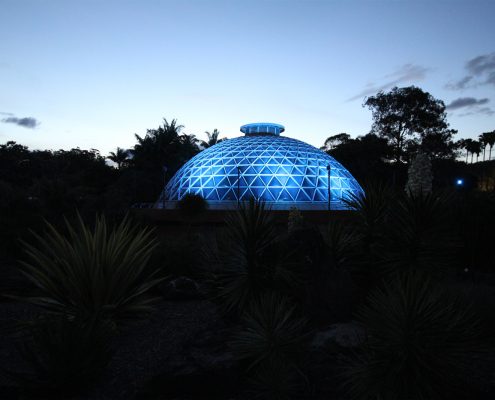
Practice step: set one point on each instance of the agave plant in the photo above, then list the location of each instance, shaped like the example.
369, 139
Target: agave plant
87, 272
421, 342
420, 234
371, 210
271, 344
65, 356
371, 213
341, 243
245, 273
273, 331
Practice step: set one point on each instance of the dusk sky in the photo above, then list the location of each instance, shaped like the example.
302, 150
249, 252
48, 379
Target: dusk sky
90, 74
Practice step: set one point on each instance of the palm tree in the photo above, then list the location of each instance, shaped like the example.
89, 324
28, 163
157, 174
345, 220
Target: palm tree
159, 147
120, 157
488, 139
463, 144
474, 146
188, 147
212, 139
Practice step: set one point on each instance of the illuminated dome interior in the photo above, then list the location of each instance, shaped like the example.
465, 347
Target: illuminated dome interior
280, 170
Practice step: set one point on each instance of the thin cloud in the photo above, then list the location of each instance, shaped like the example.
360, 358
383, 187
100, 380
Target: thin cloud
406, 73
485, 110
462, 102
480, 71
26, 122
6, 113
460, 84
481, 64
471, 105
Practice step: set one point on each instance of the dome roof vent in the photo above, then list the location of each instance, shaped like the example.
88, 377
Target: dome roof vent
262, 128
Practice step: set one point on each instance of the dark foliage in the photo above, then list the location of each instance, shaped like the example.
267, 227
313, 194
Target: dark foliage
421, 343
420, 234
256, 259
366, 156
272, 344
160, 153
87, 272
64, 356
243, 272
192, 205
408, 117
475, 219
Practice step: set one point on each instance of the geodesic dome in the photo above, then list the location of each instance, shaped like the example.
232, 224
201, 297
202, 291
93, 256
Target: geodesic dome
262, 164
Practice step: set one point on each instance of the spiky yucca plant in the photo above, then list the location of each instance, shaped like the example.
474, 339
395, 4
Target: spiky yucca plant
272, 332
272, 344
86, 272
244, 272
421, 342
341, 244
420, 234
371, 215
371, 210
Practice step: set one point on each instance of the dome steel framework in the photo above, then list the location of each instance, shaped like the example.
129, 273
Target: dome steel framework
265, 166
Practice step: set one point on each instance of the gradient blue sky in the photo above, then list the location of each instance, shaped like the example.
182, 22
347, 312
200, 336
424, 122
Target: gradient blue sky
93, 73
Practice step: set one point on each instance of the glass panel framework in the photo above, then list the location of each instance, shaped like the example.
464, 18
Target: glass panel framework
267, 167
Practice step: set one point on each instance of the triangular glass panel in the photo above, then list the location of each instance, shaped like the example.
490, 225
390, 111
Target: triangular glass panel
266, 179
302, 196
275, 192
257, 182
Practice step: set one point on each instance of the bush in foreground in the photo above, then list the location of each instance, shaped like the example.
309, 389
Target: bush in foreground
272, 346
421, 343
87, 272
64, 356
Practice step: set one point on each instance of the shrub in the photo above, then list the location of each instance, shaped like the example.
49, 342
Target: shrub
87, 272
192, 204
420, 234
371, 213
272, 345
421, 341
244, 272
65, 356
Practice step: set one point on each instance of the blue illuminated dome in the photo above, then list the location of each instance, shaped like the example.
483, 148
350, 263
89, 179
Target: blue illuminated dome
282, 171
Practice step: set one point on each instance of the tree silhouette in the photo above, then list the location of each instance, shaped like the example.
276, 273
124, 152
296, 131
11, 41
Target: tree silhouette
462, 144
159, 147
120, 157
488, 139
189, 146
213, 139
166, 147
409, 114
335, 140
473, 147
364, 156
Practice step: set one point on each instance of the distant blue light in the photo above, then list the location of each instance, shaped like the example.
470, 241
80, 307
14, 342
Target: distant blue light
459, 182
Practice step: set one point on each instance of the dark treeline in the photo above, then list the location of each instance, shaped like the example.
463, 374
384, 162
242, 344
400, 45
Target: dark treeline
407, 121
42, 184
